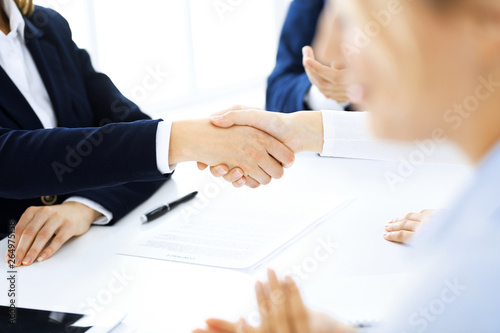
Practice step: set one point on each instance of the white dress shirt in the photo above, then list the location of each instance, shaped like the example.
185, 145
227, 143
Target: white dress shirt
17, 62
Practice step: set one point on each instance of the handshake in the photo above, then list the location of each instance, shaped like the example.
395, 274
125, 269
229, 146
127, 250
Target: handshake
247, 146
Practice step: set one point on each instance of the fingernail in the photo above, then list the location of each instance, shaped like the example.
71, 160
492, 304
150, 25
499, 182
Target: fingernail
221, 171
27, 261
17, 261
42, 257
237, 174
385, 235
240, 181
217, 118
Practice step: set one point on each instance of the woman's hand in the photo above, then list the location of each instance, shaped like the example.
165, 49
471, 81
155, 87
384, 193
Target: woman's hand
329, 80
402, 229
301, 131
49, 227
281, 311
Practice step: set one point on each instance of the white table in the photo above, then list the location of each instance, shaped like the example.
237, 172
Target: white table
163, 296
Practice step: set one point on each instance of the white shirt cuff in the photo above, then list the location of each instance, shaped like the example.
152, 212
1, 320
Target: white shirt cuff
163, 147
317, 101
348, 135
106, 217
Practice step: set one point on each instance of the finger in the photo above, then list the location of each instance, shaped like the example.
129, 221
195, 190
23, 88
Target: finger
61, 237
252, 183
338, 65
307, 53
281, 153
278, 298
261, 175
244, 118
243, 327
29, 234
235, 108
401, 236
234, 174
42, 238
219, 170
298, 312
221, 325
202, 166
326, 73
207, 330
402, 225
263, 304
428, 212
240, 182
414, 217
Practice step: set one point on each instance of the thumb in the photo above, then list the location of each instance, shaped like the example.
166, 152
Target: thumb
243, 118
307, 52
338, 65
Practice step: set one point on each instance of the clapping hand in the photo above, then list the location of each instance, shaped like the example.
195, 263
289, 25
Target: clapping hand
281, 311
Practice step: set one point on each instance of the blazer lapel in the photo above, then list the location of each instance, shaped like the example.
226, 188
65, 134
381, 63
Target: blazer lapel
49, 66
15, 106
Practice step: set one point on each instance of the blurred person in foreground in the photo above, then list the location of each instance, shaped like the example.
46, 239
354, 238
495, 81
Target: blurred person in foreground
448, 52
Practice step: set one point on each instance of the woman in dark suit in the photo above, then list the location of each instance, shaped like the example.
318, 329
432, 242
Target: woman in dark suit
74, 151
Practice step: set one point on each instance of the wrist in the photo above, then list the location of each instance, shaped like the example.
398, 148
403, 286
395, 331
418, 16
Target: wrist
309, 130
181, 142
85, 212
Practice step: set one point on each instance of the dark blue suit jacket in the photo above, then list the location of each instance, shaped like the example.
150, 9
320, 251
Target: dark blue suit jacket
104, 147
288, 84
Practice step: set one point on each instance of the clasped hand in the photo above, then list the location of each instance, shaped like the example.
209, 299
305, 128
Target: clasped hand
298, 132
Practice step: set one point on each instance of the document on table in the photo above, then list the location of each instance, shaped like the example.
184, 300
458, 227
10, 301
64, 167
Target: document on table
238, 229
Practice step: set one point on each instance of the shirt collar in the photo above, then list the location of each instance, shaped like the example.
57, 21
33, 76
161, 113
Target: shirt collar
16, 19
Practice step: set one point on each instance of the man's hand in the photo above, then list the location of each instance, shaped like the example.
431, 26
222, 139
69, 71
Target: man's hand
403, 229
329, 80
260, 155
38, 225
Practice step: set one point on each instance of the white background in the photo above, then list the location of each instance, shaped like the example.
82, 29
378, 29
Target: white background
211, 49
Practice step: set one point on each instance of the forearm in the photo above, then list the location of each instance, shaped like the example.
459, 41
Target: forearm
184, 141
307, 131
63, 160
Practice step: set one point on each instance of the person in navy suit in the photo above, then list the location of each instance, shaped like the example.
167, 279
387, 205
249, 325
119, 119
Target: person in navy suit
304, 79
74, 151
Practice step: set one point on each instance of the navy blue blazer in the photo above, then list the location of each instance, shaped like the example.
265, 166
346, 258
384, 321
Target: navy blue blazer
288, 84
104, 147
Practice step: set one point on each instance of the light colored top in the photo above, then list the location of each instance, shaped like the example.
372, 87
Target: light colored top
454, 286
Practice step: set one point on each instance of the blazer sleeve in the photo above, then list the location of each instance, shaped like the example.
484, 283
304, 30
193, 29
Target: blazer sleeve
66, 160
110, 106
288, 83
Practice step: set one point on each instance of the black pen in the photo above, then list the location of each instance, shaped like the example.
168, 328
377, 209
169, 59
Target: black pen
160, 211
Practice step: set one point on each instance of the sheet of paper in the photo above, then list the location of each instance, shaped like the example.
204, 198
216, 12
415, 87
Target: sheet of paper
237, 229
